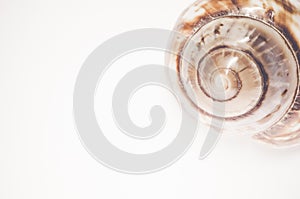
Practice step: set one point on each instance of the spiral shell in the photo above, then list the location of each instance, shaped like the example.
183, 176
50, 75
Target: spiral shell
243, 54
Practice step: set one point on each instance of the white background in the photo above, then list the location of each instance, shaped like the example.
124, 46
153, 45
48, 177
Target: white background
42, 46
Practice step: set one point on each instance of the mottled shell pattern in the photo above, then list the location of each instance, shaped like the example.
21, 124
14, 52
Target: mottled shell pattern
244, 55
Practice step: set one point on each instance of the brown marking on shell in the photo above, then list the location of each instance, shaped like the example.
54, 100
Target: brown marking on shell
288, 33
190, 25
270, 15
234, 2
284, 22
217, 30
267, 117
284, 92
219, 8
296, 106
287, 6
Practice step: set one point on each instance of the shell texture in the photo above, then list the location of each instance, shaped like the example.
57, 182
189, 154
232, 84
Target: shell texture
245, 55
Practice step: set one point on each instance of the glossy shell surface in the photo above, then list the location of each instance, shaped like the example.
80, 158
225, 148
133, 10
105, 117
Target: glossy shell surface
243, 56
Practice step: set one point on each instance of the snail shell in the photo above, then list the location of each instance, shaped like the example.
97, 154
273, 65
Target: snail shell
243, 54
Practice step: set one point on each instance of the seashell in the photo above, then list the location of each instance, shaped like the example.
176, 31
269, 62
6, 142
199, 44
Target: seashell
243, 55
